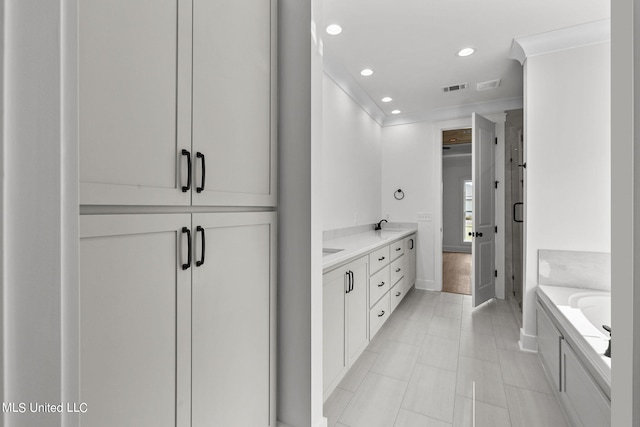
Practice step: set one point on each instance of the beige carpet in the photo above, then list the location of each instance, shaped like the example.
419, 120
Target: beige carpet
456, 273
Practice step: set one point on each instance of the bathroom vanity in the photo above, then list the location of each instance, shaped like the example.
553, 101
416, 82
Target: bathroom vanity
571, 346
367, 273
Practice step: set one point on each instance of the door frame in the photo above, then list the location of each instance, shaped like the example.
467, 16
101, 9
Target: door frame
499, 119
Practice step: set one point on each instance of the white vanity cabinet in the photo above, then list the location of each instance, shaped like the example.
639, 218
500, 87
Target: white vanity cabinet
177, 102
177, 319
580, 395
586, 404
345, 318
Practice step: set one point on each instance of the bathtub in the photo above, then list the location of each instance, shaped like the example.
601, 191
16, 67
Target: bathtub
580, 314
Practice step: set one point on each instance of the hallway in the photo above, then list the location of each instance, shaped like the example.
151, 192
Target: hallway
421, 368
456, 273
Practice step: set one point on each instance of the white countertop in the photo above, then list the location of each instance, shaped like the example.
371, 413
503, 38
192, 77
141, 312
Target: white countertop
591, 341
355, 245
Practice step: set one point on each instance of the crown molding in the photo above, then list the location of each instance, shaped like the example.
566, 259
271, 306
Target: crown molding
565, 38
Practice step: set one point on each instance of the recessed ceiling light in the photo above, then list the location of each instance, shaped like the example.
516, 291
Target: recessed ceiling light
334, 29
387, 99
466, 51
396, 112
366, 72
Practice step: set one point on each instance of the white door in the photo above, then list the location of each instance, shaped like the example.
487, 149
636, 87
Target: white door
483, 248
135, 300
134, 116
233, 320
234, 102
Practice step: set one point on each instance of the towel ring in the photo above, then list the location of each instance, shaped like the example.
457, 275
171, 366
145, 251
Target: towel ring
399, 194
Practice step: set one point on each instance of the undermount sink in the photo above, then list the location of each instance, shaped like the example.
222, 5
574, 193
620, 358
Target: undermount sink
330, 251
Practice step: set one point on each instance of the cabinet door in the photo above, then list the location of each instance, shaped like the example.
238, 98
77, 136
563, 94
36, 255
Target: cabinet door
134, 112
549, 339
357, 310
233, 320
334, 357
234, 122
588, 406
134, 320
410, 253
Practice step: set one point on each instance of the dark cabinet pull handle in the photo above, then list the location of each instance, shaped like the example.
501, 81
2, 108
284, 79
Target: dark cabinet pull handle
411, 240
348, 282
353, 282
398, 249
381, 314
398, 270
478, 234
188, 264
381, 285
201, 156
514, 212
381, 259
201, 261
188, 186
398, 294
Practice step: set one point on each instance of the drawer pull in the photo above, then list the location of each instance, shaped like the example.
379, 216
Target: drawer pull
398, 249
381, 285
398, 270
381, 259
398, 294
381, 314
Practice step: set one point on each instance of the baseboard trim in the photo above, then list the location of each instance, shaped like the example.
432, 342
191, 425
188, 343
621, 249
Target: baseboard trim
528, 342
428, 285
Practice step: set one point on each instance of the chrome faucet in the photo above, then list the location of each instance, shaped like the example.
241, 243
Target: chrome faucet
378, 226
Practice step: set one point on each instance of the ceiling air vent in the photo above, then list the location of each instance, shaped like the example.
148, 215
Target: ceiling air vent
491, 84
454, 87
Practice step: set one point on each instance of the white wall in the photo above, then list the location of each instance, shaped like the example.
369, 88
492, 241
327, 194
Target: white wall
455, 170
410, 161
351, 161
40, 208
567, 152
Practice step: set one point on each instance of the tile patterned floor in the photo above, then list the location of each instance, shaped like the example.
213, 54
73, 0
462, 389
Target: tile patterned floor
420, 368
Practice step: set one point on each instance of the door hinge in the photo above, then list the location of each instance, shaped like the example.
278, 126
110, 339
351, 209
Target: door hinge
496, 140
496, 184
496, 229
496, 272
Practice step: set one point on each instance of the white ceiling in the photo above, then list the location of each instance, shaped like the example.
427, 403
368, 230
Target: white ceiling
411, 46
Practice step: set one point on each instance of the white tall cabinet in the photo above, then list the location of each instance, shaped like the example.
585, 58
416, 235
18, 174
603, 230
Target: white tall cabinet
177, 102
177, 112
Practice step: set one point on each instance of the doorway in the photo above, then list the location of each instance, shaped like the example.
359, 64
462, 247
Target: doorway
457, 207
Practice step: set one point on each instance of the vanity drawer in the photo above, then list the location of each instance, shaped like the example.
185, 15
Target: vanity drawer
378, 315
396, 294
379, 259
397, 270
379, 284
396, 249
